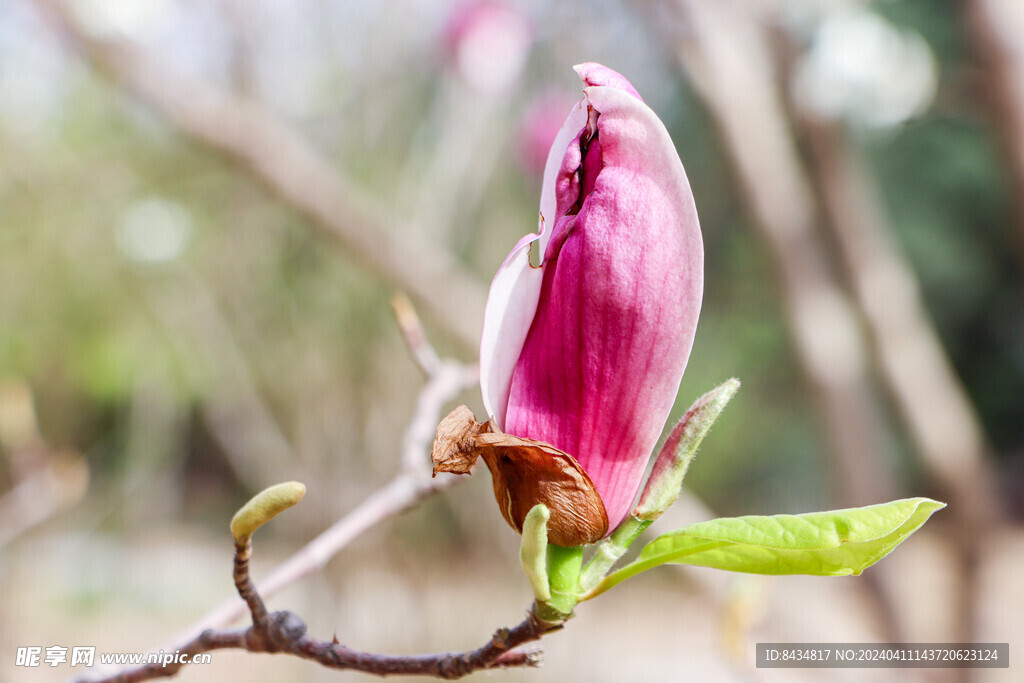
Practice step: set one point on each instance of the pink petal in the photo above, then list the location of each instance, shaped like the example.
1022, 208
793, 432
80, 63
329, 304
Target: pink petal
512, 300
570, 131
619, 302
592, 73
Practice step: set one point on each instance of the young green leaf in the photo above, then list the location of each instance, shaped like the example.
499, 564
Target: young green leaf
666, 480
834, 543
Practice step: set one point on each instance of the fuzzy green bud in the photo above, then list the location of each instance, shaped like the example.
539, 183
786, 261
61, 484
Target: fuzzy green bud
263, 507
666, 480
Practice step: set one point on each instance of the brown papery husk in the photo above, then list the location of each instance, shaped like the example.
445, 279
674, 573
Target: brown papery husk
525, 472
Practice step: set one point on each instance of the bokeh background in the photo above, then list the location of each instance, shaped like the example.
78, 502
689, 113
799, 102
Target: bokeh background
207, 207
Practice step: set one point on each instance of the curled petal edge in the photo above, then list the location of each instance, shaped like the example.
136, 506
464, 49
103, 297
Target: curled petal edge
574, 123
511, 305
515, 290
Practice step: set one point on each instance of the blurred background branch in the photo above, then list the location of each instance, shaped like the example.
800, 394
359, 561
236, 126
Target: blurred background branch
726, 54
727, 51
44, 481
183, 334
239, 419
409, 487
249, 134
995, 27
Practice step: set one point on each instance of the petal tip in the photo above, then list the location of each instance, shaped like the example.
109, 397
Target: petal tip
595, 74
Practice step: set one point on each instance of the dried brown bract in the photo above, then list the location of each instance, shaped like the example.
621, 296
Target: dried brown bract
525, 472
455, 446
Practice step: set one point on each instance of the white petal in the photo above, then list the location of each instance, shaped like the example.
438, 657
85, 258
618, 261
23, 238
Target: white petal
548, 198
511, 305
515, 291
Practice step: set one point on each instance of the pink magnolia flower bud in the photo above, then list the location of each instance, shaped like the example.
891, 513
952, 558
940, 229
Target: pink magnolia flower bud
586, 351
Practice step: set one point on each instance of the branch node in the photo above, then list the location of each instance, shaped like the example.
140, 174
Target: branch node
284, 630
500, 638
206, 638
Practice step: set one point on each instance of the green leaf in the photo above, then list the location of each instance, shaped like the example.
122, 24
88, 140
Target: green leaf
834, 543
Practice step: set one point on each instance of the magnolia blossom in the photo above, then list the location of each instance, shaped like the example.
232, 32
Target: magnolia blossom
585, 351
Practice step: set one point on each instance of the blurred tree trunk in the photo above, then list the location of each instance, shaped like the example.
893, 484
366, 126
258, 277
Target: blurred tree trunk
995, 29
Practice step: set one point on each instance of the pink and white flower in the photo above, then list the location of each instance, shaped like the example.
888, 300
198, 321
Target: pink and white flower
585, 351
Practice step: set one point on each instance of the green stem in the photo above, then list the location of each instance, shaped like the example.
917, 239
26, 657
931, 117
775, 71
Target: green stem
564, 576
609, 552
632, 569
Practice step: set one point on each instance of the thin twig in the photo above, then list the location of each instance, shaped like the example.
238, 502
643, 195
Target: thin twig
243, 584
496, 653
285, 632
204, 642
408, 488
414, 334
